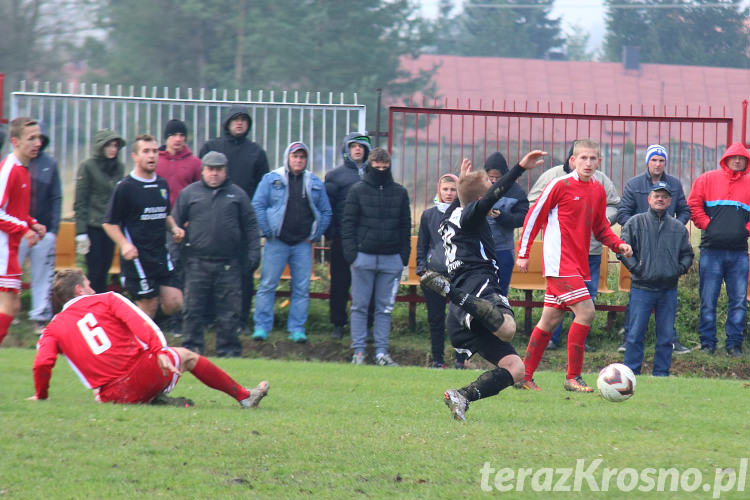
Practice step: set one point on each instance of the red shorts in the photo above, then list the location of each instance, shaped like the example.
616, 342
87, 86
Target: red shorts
564, 292
142, 383
10, 283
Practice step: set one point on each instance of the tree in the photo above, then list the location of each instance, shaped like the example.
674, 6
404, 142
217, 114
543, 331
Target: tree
508, 28
576, 44
700, 33
38, 36
320, 45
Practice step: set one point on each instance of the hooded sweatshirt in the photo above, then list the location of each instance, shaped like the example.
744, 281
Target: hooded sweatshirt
720, 204
430, 250
272, 201
46, 194
95, 182
513, 207
340, 179
246, 160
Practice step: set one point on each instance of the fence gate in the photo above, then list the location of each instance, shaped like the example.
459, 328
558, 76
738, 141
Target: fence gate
71, 120
427, 142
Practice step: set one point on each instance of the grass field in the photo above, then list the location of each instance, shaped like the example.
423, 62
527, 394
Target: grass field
331, 430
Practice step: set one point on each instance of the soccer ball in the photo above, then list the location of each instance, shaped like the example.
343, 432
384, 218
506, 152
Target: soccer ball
616, 382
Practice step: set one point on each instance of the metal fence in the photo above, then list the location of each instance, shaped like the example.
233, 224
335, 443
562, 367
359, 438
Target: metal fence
71, 118
427, 142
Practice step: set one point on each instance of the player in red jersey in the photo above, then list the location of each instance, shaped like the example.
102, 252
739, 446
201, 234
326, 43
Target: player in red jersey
15, 221
117, 350
569, 208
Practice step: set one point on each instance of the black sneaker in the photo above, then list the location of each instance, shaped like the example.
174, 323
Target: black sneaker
163, 400
734, 351
678, 348
337, 332
708, 349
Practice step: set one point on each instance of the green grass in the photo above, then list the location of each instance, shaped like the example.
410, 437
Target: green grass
331, 430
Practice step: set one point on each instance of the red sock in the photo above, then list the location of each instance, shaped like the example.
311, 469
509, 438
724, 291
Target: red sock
5, 321
537, 344
218, 379
576, 342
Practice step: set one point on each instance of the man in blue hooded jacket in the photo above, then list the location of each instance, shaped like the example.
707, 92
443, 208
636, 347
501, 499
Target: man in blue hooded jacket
292, 209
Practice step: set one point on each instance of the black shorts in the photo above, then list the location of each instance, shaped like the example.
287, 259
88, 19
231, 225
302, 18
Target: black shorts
148, 288
468, 335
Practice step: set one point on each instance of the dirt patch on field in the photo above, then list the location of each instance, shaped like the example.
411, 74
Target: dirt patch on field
693, 364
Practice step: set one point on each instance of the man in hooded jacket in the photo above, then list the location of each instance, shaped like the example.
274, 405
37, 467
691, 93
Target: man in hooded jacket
720, 207
246, 165
355, 150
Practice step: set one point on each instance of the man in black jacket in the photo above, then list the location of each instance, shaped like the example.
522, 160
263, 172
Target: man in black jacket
246, 165
376, 240
221, 241
355, 149
661, 254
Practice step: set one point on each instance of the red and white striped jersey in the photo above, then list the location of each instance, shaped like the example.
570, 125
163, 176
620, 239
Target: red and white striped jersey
568, 210
100, 335
15, 221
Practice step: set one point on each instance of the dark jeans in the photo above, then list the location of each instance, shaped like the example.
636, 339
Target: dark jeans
664, 304
505, 262
99, 258
595, 262
341, 280
436, 318
731, 267
220, 281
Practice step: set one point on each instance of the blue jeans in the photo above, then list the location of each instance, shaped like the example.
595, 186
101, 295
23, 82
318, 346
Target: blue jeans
375, 276
276, 255
42, 257
664, 304
505, 262
715, 266
595, 262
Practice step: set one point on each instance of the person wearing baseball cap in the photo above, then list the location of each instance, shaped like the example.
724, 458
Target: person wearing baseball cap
661, 254
635, 201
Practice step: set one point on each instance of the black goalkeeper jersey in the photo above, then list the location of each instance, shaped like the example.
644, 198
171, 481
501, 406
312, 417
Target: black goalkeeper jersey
467, 238
140, 207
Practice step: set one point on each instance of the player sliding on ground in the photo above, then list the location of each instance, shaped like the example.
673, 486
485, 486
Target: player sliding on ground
118, 351
569, 208
480, 319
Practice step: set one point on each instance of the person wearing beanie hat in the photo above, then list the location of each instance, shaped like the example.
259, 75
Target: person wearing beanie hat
247, 163
635, 201
506, 215
431, 256
595, 247
355, 149
180, 168
292, 209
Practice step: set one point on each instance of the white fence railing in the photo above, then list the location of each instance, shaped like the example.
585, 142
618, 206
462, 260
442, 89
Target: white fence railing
72, 116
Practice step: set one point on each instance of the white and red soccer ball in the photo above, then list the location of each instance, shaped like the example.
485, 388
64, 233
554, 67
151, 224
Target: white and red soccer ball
616, 382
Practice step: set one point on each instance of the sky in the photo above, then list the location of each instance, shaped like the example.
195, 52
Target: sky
588, 14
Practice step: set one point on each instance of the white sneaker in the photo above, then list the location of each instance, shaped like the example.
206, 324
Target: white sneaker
385, 360
256, 394
358, 358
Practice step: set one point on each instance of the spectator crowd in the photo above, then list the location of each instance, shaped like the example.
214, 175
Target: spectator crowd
191, 231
